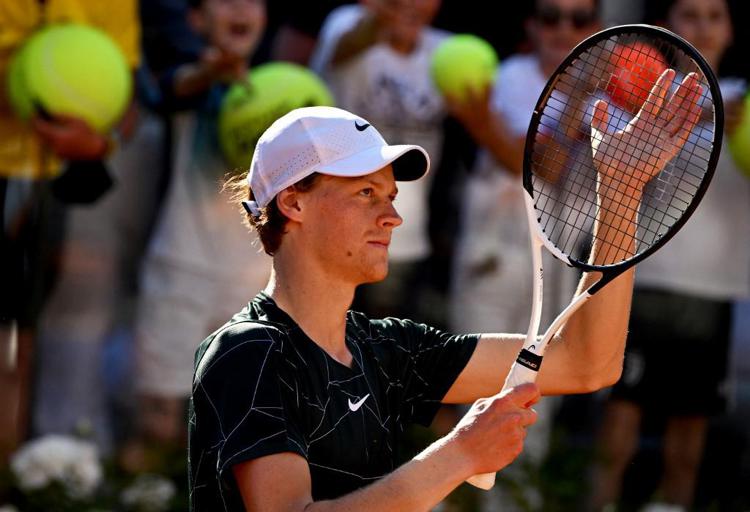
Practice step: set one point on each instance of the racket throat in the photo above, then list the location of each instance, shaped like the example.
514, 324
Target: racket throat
530, 360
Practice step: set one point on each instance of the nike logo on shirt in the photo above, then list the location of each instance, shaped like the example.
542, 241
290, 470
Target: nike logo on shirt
354, 407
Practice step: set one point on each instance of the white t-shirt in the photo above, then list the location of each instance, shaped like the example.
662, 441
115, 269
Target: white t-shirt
199, 230
494, 228
396, 94
710, 256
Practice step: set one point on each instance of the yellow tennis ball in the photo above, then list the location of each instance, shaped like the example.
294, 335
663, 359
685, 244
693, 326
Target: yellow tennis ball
739, 142
74, 70
270, 91
463, 63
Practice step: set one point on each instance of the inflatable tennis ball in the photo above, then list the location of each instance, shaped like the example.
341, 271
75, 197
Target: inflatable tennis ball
739, 142
73, 70
270, 91
463, 63
637, 66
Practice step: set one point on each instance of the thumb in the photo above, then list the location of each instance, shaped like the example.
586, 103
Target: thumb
524, 394
600, 116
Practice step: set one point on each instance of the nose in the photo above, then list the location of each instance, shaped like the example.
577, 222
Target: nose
390, 218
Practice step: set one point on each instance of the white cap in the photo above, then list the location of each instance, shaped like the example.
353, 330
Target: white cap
326, 140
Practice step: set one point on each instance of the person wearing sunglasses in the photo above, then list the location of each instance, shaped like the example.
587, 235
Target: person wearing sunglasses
557, 26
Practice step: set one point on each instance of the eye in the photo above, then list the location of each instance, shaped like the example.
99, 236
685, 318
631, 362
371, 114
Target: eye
367, 192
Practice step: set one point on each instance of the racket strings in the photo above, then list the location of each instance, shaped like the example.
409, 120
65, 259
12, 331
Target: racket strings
564, 176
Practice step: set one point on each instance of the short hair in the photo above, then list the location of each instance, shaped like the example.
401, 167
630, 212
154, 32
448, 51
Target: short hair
271, 223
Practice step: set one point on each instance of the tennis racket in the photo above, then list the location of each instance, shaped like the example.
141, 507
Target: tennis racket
621, 147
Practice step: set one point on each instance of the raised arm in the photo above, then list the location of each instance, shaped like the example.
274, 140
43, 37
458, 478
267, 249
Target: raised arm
587, 351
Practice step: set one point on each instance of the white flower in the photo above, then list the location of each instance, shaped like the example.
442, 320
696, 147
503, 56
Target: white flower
149, 493
72, 462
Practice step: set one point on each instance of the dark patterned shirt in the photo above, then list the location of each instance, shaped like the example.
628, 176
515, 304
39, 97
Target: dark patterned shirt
262, 386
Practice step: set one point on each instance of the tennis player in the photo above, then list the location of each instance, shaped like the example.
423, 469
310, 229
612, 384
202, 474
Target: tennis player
298, 403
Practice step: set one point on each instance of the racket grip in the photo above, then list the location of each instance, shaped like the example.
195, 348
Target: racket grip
519, 374
484, 481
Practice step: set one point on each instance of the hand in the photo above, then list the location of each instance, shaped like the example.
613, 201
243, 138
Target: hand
630, 158
222, 65
70, 138
473, 111
396, 22
492, 432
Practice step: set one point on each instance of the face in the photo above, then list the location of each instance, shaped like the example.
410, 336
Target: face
558, 26
705, 23
352, 243
404, 20
234, 26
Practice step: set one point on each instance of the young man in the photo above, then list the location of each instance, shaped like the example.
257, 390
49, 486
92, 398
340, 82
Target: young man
304, 401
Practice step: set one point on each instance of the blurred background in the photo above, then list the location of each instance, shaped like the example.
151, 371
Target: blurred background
120, 252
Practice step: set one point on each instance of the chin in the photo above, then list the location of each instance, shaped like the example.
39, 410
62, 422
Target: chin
376, 274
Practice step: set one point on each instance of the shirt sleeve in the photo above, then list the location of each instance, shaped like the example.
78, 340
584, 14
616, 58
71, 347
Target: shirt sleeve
428, 361
338, 22
239, 408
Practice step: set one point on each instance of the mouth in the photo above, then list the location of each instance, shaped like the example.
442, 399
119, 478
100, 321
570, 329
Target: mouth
380, 244
240, 29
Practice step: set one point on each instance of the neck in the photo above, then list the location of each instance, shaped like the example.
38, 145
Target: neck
316, 301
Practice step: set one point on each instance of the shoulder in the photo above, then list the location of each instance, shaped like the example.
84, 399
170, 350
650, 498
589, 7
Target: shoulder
396, 332
237, 344
432, 37
342, 18
520, 65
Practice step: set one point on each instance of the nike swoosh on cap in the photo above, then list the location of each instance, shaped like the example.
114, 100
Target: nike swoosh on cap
354, 407
361, 127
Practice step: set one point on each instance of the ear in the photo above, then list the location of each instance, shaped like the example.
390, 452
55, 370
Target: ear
288, 202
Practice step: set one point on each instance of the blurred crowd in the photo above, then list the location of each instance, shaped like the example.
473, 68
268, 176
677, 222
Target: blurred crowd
120, 251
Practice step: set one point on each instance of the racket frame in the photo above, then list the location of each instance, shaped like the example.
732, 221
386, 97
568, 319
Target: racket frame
526, 367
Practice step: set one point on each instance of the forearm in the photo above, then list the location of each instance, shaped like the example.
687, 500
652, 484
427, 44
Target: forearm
490, 132
597, 332
356, 40
190, 80
417, 485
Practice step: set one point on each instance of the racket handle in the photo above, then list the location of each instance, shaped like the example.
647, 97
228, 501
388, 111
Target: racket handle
519, 374
485, 481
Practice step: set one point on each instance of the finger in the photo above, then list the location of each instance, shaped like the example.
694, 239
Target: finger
687, 126
528, 417
523, 394
46, 129
655, 99
690, 105
533, 402
62, 120
677, 102
600, 116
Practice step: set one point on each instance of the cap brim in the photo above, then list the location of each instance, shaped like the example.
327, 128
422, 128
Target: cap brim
410, 162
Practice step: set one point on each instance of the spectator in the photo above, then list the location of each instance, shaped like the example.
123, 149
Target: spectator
376, 58
32, 168
492, 280
683, 312
199, 265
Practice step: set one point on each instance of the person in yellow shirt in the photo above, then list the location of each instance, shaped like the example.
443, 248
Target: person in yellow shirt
33, 155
